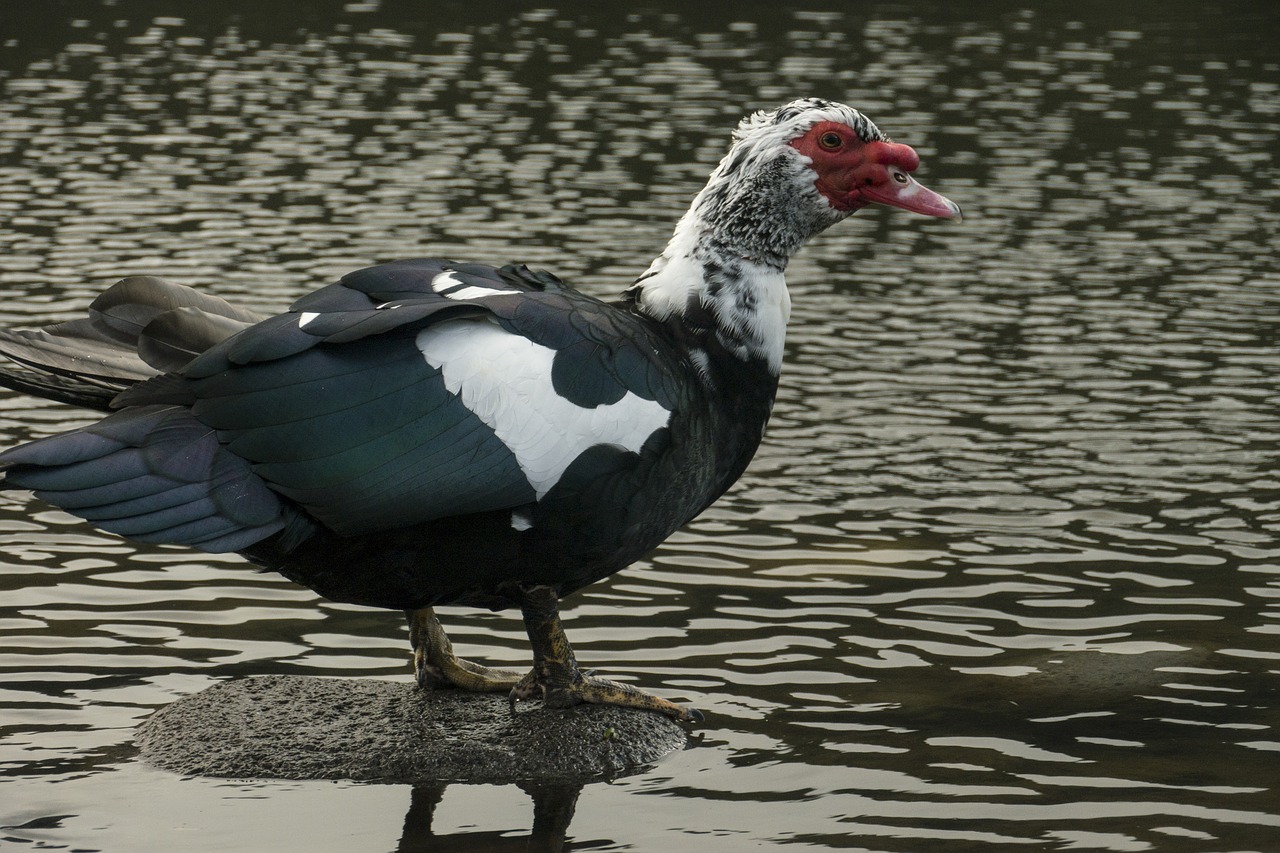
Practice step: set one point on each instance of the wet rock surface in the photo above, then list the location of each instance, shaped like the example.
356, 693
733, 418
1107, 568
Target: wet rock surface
291, 727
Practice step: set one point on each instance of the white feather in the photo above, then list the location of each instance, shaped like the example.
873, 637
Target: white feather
505, 380
446, 280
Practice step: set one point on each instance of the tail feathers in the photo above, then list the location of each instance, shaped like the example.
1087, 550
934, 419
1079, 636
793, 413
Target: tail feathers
153, 474
175, 337
130, 305
140, 327
78, 348
51, 386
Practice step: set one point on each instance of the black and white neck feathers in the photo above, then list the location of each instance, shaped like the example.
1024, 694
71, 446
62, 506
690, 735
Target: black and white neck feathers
729, 251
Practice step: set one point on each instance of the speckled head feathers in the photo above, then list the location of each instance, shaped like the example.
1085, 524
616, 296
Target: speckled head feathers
791, 120
761, 198
761, 203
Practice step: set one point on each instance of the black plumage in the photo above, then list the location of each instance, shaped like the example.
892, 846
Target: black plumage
425, 432
341, 418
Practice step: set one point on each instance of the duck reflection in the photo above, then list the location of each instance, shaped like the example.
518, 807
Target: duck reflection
553, 806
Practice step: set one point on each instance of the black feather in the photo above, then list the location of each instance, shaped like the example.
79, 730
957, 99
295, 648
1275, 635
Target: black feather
324, 431
155, 474
171, 340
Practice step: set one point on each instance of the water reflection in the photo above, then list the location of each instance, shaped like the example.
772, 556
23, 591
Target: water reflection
552, 812
1006, 568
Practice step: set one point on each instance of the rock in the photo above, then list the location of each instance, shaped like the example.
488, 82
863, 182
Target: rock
293, 727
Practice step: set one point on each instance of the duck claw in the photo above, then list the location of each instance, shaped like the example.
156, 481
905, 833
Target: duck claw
597, 691
435, 666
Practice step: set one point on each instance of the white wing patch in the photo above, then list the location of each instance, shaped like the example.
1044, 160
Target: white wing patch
505, 380
450, 287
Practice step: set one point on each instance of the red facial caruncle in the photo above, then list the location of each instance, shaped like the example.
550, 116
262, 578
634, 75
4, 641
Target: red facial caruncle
852, 173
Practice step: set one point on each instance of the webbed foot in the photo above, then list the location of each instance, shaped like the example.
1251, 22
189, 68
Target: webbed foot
436, 666
574, 688
556, 678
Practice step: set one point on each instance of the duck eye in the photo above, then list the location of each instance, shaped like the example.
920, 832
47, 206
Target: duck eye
830, 140
900, 177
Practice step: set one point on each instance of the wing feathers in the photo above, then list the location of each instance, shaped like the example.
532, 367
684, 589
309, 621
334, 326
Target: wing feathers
370, 440
137, 327
171, 340
155, 474
334, 411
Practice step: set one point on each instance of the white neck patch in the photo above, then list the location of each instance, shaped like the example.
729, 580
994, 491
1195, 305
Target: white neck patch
762, 328
759, 325
505, 380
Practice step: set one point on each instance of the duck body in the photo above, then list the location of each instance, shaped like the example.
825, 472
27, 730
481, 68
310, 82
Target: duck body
329, 443
426, 432
643, 440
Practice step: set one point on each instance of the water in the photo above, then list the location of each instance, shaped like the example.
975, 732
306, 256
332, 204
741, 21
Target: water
1006, 572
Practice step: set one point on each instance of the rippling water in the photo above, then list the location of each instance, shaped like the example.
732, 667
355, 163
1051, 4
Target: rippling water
1006, 572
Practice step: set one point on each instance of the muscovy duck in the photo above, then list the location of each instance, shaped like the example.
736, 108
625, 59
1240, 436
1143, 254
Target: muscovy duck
427, 432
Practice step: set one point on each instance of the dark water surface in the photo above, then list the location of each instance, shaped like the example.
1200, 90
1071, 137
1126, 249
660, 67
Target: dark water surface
1006, 572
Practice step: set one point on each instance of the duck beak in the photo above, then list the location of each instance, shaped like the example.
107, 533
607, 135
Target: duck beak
884, 177
904, 191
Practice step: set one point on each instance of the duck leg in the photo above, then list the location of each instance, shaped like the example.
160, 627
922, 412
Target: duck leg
556, 678
435, 665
